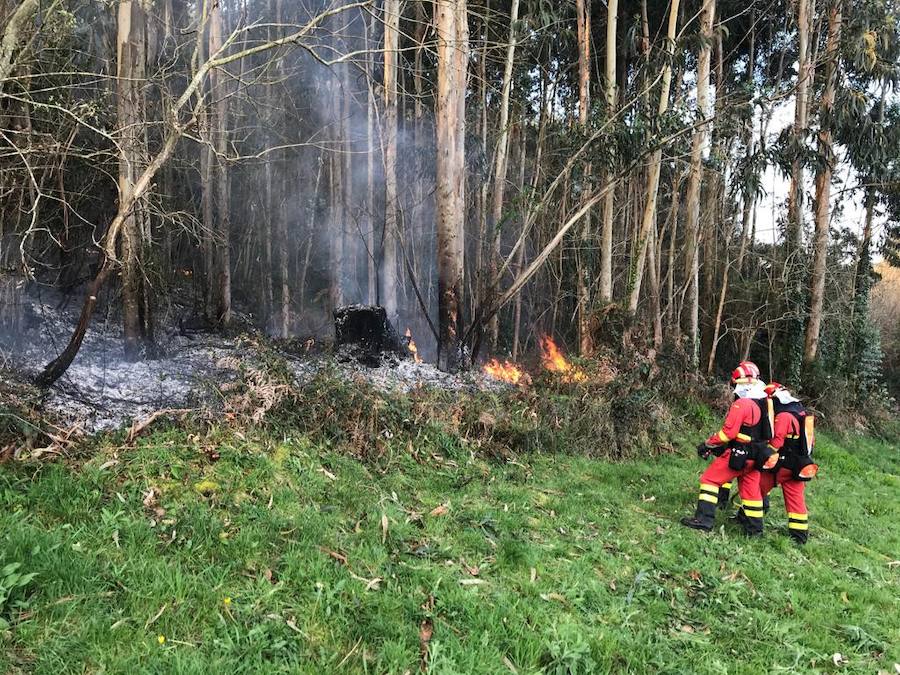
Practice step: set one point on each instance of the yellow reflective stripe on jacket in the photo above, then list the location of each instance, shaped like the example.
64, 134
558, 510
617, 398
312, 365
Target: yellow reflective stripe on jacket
723, 436
743, 438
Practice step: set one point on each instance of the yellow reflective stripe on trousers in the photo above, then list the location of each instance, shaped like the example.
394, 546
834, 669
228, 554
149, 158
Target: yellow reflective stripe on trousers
753, 513
704, 497
727, 485
709, 487
798, 516
753, 502
798, 526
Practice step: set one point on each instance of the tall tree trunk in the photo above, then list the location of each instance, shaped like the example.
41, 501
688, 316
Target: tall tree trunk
606, 234
389, 263
649, 214
654, 286
336, 217
350, 244
823, 187
266, 280
371, 259
674, 207
281, 217
221, 305
805, 10
520, 257
692, 200
484, 280
500, 159
452, 38
583, 255
131, 55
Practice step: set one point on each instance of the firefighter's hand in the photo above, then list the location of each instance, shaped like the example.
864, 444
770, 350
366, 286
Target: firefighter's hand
704, 451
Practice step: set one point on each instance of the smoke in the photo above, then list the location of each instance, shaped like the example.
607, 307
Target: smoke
336, 213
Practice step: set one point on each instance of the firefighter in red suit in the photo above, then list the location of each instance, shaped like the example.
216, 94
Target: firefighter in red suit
793, 439
741, 449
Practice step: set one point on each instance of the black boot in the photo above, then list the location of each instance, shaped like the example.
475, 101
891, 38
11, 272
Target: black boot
798, 527
724, 496
799, 537
705, 516
752, 520
739, 517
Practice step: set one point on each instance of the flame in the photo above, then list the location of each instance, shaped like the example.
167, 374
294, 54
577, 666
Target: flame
412, 347
505, 371
555, 362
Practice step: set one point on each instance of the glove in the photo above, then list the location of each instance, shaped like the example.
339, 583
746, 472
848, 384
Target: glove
703, 451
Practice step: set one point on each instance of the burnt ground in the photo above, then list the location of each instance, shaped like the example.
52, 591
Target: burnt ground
103, 391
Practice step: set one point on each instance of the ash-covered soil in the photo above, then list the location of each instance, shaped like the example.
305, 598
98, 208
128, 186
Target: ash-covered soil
102, 390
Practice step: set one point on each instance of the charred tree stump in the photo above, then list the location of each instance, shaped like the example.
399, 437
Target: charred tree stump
364, 333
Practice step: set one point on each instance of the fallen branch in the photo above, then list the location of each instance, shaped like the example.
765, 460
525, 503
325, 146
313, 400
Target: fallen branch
139, 426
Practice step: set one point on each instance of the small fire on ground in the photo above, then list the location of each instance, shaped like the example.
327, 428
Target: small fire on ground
555, 362
412, 347
506, 371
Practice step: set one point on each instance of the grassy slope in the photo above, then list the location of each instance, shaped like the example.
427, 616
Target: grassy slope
619, 585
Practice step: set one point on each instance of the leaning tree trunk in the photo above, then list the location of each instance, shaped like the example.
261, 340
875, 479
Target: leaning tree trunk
823, 188
452, 43
692, 200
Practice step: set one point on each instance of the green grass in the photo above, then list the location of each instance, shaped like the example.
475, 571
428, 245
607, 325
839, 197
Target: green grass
581, 564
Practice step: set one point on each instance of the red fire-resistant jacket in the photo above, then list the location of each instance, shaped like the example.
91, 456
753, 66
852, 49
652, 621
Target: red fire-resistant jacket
744, 412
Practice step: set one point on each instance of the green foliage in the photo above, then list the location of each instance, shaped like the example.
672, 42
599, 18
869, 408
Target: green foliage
13, 585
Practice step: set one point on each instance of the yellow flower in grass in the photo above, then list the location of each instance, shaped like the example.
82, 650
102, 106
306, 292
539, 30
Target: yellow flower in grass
161, 639
227, 601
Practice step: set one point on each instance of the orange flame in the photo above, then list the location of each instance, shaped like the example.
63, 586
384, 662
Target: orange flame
412, 347
505, 371
555, 362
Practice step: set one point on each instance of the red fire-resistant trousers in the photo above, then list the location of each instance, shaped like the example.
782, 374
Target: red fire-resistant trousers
794, 500
718, 472
712, 479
